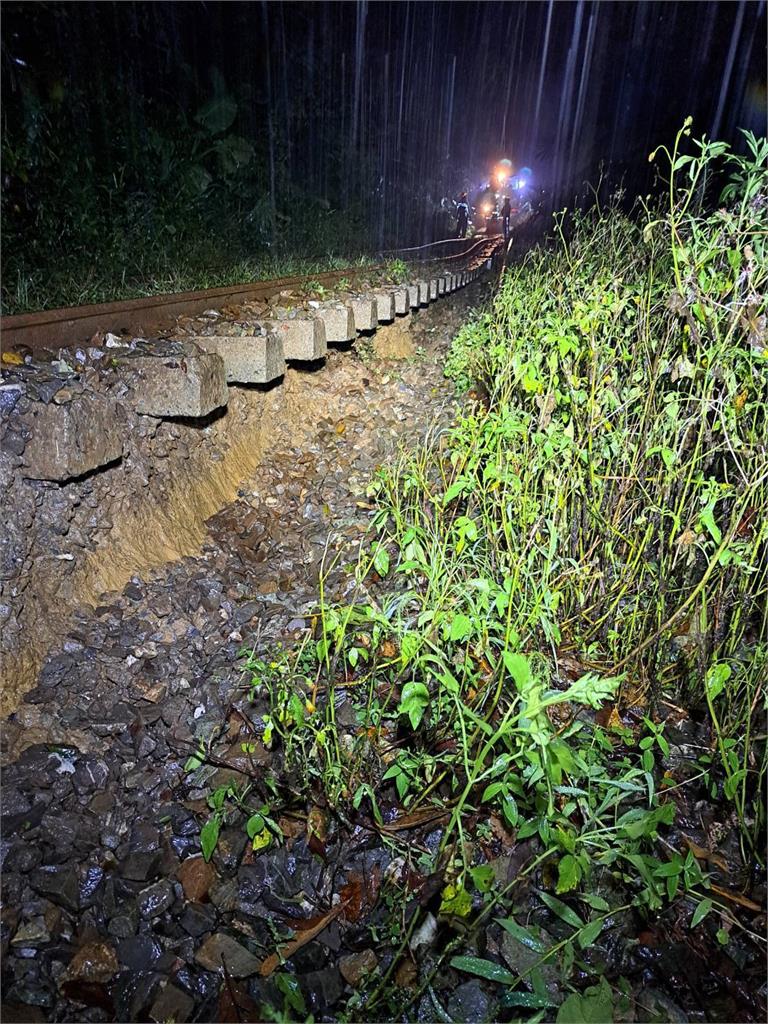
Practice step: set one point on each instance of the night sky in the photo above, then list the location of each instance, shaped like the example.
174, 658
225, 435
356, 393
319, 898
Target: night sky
393, 104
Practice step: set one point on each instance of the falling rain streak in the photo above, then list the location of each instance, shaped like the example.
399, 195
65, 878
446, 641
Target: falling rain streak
381, 113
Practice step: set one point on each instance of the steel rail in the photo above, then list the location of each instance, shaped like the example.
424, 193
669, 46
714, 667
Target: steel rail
74, 325
52, 329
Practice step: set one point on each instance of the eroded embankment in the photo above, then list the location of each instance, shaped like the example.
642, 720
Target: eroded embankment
101, 877
66, 543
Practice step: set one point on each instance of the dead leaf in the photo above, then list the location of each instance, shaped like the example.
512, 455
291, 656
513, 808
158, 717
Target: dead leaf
352, 895
736, 897
235, 1004
701, 853
414, 819
272, 962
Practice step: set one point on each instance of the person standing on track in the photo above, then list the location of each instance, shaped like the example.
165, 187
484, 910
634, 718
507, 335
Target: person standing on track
462, 216
506, 213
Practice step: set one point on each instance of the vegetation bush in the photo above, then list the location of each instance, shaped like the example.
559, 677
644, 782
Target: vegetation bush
581, 554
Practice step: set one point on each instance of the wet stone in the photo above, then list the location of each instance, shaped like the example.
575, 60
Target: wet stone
95, 962
133, 993
223, 895
230, 847
89, 886
140, 867
90, 773
172, 1004
357, 966
34, 992
60, 884
196, 877
123, 925
197, 919
22, 857
33, 932
321, 988
139, 952
144, 839
221, 949
471, 1003
155, 899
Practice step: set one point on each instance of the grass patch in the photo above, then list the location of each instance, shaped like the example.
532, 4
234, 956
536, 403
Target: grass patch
582, 552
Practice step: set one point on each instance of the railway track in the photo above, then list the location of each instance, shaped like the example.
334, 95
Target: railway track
53, 329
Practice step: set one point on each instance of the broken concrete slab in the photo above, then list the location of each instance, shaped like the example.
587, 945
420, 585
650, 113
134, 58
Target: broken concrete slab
402, 301
433, 292
364, 313
424, 293
385, 306
303, 338
249, 358
174, 379
413, 295
338, 320
73, 435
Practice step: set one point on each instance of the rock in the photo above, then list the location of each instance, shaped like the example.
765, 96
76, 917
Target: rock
470, 1003
221, 949
22, 857
32, 932
90, 773
230, 847
133, 993
197, 919
141, 866
69, 440
155, 899
21, 1014
123, 925
95, 962
196, 877
59, 883
655, 1005
321, 988
223, 895
144, 838
172, 1005
521, 958
89, 886
357, 966
139, 952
